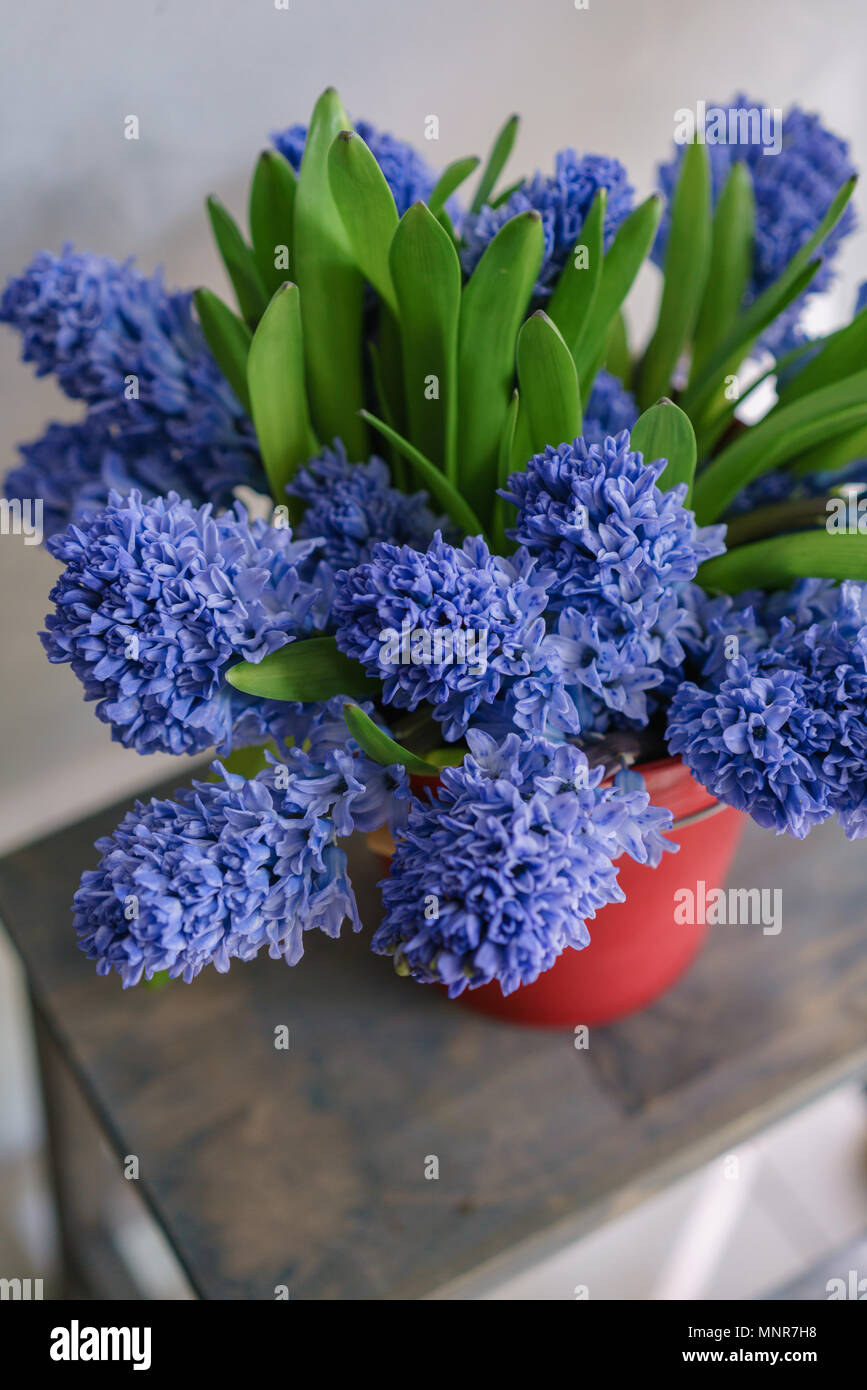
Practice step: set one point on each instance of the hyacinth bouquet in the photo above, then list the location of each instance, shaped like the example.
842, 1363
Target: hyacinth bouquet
414, 507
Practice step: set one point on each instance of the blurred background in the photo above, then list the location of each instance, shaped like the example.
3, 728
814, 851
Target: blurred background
208, 80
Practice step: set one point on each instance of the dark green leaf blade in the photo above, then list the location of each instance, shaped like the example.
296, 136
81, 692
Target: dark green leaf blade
307, 670
625, 257
730, 264
382, 749
272, 212
687, 259
505, 465
367, 208
777, 561
450, 180
426, 274
493, 304
500, 152
229, 339
575, 291
831, 454
331, 288
783, 434
664, 432
239, 261
550, 403
618, 358
436, 482
842, 353
763, 310
278, 400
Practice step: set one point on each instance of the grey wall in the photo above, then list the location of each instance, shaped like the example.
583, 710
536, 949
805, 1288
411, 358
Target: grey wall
209, 79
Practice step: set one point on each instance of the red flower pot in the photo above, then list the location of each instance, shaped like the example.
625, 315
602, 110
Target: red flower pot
637, 950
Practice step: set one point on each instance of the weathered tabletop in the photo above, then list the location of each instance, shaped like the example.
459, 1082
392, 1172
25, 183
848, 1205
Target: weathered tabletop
307, 1167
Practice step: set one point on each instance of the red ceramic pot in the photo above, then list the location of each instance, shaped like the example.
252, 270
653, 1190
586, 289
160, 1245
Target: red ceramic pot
637, 950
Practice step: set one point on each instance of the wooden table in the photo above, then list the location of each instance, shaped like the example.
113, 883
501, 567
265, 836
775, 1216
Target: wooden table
306, 1168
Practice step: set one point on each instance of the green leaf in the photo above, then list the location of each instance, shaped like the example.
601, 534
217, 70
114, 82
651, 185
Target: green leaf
708, 402
447, 225
382, 749
331, 290
730, 264
366, 205
832, 454
776, 561
618, 358
239, 261
711, 427
783, 434
246, 762
436, 482
229, 339
493, 304
505, 466
619, 269
272, 212
278, 401
450, 179
576, 289
506, 194
448, 756
664, 432
500, 152
550, 405
768, 306
396, 462
308, 670
687, 259
426, 274
843, 353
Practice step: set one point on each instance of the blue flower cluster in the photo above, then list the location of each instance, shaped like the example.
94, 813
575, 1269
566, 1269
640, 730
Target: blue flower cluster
498, 873
119, 341
453, 627
351, 506
74, 467
617, 550
234, 866
793, 191
563, 202
778, 726
158, 598
409, 177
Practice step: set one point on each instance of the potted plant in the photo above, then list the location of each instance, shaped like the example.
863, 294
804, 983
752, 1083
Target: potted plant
574, 614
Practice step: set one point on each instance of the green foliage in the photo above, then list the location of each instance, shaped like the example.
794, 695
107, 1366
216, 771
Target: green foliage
426, 274
464, 379
272, 213
382, 749
687, 260
664, 432
241, 265
278, 400
331, 288
493, 306
549, 411
308, 670
229, 339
